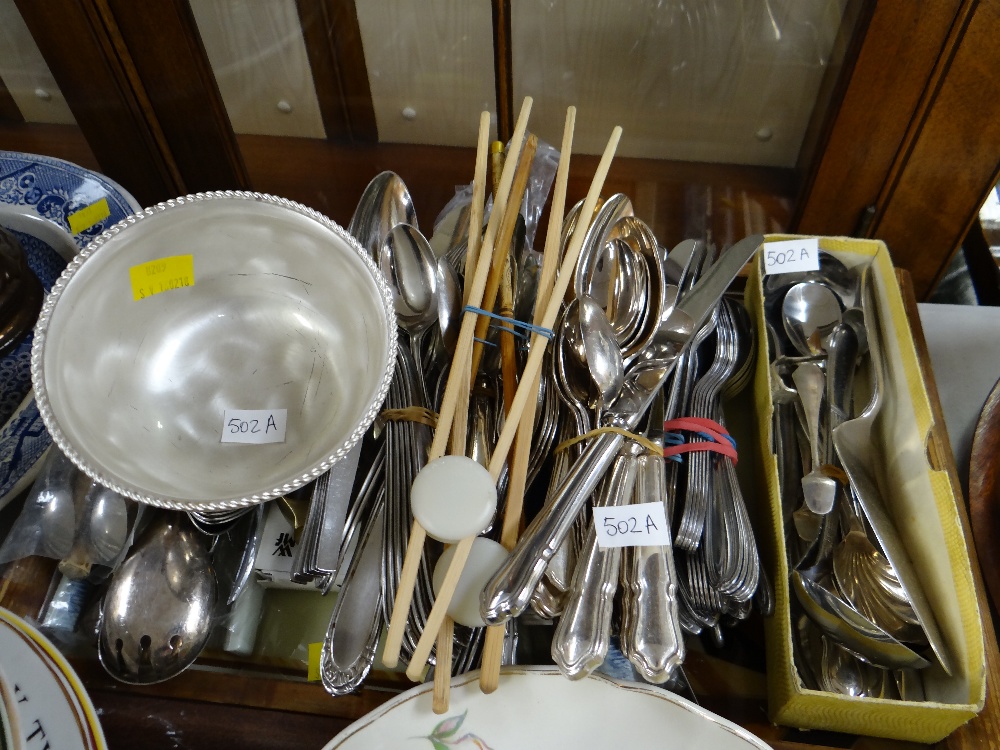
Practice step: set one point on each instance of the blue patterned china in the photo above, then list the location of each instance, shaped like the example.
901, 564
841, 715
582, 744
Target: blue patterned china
54, 209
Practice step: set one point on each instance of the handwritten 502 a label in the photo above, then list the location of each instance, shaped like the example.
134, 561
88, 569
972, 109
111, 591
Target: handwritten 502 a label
254, 425
789, 256
631, 525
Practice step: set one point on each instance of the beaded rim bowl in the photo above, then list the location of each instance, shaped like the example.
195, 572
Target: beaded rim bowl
277, 310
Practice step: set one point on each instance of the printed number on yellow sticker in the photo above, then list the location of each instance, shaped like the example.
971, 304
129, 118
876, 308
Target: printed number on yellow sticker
85, 218
161, 275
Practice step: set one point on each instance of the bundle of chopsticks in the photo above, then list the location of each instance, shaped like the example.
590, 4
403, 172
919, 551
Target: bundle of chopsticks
484, 270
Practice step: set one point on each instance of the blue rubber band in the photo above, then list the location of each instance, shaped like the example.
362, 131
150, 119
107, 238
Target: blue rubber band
676, 438
518, 334
540, 330
711, 439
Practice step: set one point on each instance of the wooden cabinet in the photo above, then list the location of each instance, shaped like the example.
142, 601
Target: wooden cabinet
900, 141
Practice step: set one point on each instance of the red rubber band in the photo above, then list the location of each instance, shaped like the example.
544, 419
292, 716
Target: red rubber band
718, 444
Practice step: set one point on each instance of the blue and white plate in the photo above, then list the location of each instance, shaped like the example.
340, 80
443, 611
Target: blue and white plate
55, 209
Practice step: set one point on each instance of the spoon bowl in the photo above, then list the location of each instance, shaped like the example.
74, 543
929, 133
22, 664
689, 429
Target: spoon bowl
842, 623
603, 356
449, 304
408, 264
810, 312
108, 527
157, 613
384, 203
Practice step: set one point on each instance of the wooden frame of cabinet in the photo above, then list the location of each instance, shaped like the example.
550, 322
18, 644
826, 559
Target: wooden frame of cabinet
904, 148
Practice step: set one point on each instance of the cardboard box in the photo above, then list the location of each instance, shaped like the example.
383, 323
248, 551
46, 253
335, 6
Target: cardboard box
923, 503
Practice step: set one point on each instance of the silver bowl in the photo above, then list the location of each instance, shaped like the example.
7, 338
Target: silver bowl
286, 312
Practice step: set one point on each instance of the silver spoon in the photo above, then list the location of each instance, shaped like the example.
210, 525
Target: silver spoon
53, 490
819, 491
408, 263
355, 623
867, 580
602, 355
157, 613
449, 305
853, 440
810, 312
844, 673
108, 527
384, 203
840, 621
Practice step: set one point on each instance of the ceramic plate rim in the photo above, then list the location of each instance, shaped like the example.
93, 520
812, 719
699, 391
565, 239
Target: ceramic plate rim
319, 468
9, 718
660, 693
55, 161
57, 663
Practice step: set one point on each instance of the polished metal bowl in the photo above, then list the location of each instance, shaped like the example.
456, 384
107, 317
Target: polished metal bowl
285, 311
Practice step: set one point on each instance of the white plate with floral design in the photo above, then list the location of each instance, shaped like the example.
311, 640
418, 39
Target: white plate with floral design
538, 707
52, 708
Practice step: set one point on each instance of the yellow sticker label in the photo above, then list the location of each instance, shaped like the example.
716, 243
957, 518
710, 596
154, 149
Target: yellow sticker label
161, 275
315, 654
85, 218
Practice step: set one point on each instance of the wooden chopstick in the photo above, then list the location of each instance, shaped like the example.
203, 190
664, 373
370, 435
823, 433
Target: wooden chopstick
498, 262
459, 426
500, 251
489, 674
418, 535
531, 370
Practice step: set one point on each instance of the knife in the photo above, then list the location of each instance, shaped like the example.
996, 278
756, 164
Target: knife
508, 593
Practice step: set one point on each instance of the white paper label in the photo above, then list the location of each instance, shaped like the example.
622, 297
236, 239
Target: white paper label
790, 256
631, 525
254, 425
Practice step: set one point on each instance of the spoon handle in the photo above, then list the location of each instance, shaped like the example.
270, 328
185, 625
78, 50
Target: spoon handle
509, 591
580, 642
842, 358
356, 623
651, 634
810, 384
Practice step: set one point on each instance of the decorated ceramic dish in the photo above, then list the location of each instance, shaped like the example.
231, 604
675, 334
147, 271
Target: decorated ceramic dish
53, 208
51, 707
214, 351
10, 729
539, 707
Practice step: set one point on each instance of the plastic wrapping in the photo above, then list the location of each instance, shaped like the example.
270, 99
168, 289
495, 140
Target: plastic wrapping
105, 522
453, 219
66, 517
47, 524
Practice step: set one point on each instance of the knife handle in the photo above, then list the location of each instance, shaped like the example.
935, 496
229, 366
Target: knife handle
651, 633
581, 639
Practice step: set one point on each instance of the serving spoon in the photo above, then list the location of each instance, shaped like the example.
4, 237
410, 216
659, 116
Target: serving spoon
853, 440
157, 614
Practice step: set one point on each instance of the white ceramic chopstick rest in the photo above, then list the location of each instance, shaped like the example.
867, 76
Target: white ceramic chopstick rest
485, 559
453, 497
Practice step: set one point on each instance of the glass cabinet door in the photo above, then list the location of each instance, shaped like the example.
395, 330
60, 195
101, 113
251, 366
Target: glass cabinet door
739, 116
